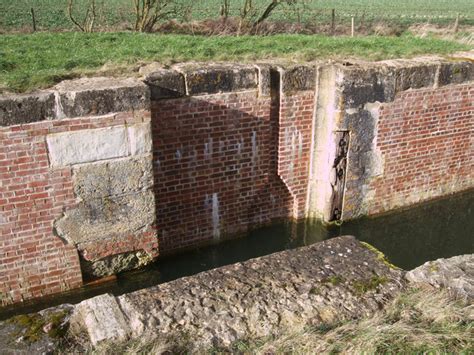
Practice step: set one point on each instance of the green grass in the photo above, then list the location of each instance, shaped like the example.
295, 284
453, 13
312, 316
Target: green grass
51, 14
40, 60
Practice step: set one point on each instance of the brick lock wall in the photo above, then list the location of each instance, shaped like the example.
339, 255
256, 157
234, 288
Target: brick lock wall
425, 138
223, 163
34, 261
215, 167
295, 134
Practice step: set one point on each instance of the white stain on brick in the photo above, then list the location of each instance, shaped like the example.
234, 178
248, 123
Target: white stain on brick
254, 149
178, 155
300, 145
240, 145
216, 233
208, 149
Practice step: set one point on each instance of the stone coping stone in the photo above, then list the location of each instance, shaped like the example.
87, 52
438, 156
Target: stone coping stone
298, 78
322, 284
165, 84
381, 81
215, 78
75, 98
26, 108
102, 95
455, 274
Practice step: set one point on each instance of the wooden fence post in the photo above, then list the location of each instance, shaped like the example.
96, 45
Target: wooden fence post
33, 19
333, 21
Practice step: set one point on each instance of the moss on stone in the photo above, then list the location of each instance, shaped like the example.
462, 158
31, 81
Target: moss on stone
334, 280
433, 267
379, 255
363, 286
32, 327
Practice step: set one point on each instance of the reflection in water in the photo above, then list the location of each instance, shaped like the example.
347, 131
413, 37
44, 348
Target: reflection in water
409, 238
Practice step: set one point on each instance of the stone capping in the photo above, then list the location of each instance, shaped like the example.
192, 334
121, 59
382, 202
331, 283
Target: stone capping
297, 78
382, 81
102, 95
76, 98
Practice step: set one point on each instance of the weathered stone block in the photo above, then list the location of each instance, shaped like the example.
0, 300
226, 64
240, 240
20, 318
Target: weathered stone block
87, 145
102, 318
107, 217
456, 274
264, 79
363, 85
101, 95
111, 178
19, 109
115, 263
415, 77
139, 136
166, 84
298, 78
456, 73
220, 78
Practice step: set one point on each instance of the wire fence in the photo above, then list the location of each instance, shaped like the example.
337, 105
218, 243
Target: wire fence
118, 14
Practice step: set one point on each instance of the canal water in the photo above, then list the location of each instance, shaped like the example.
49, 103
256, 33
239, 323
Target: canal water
438, 229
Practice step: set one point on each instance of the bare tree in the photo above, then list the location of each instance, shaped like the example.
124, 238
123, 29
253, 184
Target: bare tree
149, 12
252, 15
87, 23
225, 9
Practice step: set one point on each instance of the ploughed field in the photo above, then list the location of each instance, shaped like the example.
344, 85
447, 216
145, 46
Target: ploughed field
52, 14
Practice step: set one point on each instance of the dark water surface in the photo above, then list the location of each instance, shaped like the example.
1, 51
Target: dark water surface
438, 229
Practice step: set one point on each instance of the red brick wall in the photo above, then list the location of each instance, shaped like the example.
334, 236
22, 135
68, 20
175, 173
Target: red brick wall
34, 261
215, 167
296, 120
425, 138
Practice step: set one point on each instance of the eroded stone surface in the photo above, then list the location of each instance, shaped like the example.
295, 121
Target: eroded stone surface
298, 78
456, 72
107, 217
102, 318
18, 109
100, 95
115, 177
321, 284
219, 78
115, 263
456, 274
164, 83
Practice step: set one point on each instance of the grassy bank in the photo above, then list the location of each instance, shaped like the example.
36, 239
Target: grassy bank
28, 62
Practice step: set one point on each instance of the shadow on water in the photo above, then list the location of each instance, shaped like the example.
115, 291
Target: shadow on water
438, 229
